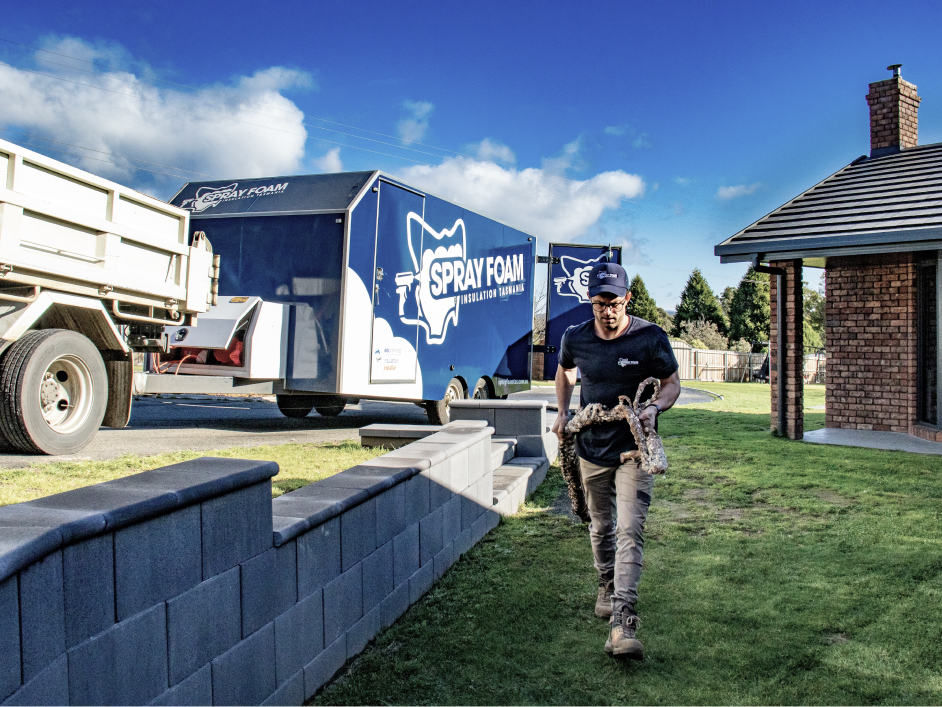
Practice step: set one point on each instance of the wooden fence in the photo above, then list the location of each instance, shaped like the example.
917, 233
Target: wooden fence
733, 366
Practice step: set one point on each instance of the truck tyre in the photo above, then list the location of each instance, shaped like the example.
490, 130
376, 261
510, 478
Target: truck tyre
296, 406
53, 392
438, 410
330, 405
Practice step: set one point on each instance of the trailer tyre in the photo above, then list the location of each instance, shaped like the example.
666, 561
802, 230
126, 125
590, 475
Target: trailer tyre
438, 410
482, 391
296, 406
330, 405
53, 392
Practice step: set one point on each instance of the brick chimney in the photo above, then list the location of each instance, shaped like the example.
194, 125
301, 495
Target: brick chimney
894, 106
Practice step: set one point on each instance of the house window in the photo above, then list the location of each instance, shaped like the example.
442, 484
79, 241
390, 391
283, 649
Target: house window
928, 294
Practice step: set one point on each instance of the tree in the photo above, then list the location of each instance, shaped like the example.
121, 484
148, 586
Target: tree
664, 320
703, 335
750, 315
641, 304
726, 300
813, 315
697, 301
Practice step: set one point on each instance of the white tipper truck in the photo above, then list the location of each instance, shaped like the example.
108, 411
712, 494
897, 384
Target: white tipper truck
90, 272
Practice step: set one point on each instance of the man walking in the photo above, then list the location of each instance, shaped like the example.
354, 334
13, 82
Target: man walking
614, 352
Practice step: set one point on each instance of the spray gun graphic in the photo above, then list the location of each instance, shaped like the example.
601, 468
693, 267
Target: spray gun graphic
404, 282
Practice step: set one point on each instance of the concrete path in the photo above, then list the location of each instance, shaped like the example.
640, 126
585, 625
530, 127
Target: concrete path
201, 422
873, 440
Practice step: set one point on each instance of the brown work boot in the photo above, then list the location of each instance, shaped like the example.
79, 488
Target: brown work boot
621, 641
603, 605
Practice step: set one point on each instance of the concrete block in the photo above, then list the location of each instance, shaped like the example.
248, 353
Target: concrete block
463, 543
42, 614
9, 637
433, 453
468, 413
406, 554
235, 527
49, 687
318, 557
290, 693
343, 603
125, 665
29, 533
156, 560
479, 460
519, 421
284, 529
378, 575
550, 446
430, 535
357, 533
483, 525
530, 446
245, 674
299, 636
362, 632
443, 560
502, 450
417, 499
421, 581
451, 519
203, 623
319, 671
195, 690
439, 482
390, 513
269, 586
537, 478
491, 519
459, 471
469, 506
88, 572
395, 605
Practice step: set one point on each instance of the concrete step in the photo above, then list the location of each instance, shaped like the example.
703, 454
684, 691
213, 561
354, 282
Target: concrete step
394, 436
503, 450
515, 480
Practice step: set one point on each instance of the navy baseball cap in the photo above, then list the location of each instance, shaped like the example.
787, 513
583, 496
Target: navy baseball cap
610, 278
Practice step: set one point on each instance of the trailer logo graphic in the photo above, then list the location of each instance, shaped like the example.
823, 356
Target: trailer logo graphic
207, 197
447, 278
575, 283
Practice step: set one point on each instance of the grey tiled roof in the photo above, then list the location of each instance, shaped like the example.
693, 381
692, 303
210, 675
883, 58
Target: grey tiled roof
895, 199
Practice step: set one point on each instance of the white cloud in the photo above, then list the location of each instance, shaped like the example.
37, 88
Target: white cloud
329, 163
683, 181
241, 130
490, 151
616, 130
737, 191
641, 141
413, 127
536, 201
568, 158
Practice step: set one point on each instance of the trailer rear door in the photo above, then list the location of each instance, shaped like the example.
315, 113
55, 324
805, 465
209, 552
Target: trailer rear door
398, 249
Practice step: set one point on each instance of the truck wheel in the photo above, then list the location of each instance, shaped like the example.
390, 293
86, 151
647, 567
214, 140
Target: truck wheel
330, 405
296, 406
53, 392
482, 391
438, 410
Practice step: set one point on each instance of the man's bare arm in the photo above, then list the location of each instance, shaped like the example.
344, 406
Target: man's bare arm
670, 391
565, 382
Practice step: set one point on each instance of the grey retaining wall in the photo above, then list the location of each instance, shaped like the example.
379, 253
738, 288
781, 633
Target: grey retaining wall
190, 585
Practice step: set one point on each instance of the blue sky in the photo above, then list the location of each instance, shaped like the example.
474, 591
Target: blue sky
662, 127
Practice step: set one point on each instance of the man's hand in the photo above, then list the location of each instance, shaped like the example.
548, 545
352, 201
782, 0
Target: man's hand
647, 417
559, 426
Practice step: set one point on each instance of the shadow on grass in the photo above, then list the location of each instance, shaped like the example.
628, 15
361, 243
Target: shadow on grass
775, 572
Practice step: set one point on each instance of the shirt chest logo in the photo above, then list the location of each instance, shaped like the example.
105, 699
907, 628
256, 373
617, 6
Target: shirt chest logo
626, 362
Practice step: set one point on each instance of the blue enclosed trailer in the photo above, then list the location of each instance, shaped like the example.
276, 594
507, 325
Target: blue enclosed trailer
355, 285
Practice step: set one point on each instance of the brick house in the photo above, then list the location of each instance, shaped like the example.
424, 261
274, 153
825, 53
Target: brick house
876, 228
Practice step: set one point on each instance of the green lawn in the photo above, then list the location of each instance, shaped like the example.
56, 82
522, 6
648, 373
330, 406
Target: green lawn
775, 572
299, 465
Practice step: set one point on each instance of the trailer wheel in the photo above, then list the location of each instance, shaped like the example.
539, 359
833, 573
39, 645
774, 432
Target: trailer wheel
438, 410
53, 392
330, 405
482, 391
296, 406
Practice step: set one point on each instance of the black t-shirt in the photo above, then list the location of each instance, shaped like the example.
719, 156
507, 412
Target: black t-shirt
609, 368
